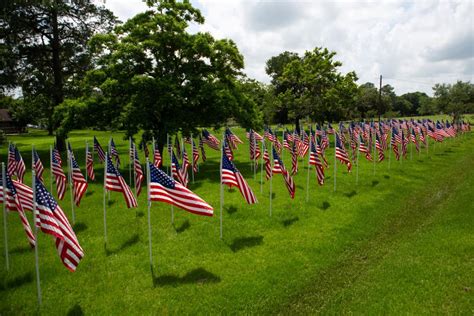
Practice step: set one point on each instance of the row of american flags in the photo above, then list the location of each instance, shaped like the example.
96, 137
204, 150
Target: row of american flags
371, 139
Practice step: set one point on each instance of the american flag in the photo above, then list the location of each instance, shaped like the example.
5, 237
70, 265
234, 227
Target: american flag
286, 140
19, 164
58, 173
52, 220
14, 202
414, 140
11, 169
364, 149
422, 136
269, 135
177, 172
210, 140
324, 140
157, 160
98, 149
187, 140
440, 130
232, 177
315, 161
258, 137
404, 144
228, 149
254, 148
115, 182
394, 143
268, 164
38, 165
186, 165
201, 146
320, 152
233, 139
379, 147
79, 183
290, 184
145, 148
138, 170
341, 153
114, 153
165, 189
303, 144
330, 129
294, 160
177, 145
195, 156
90, 165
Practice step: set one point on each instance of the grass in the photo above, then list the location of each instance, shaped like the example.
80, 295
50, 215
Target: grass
398, 242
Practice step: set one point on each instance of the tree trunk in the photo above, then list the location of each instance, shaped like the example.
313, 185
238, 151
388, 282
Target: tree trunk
58, 95
297, 124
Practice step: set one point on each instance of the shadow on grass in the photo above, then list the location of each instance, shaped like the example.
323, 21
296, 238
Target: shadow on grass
128, 243
290, 221
89, 193
245, 242
375, 182
325, 205
352, 193
79, 227
386, 176
76, 310
299, 187
20, 250
110, 202
196, 276
273, 195
231, 209
183, 227
17, 281
140, 214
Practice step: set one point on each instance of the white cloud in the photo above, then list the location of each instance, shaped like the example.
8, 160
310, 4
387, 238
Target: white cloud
413, 44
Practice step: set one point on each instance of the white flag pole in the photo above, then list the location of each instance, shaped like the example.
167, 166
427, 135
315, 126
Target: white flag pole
130, 158
357, 162
149, 206
35, 213
221, 188
69, 162
170, 152
271, 176
134, 171
411, 145
51, 169
374, 155
153, 159
335, 162
87, 152
192, 157
261, 166
108, 192
254, 157
5, 225
390, 151
309, 166
105, 190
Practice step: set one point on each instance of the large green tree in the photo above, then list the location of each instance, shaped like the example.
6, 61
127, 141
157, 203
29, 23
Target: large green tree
153, 75
454, 99
43, 50
312, 85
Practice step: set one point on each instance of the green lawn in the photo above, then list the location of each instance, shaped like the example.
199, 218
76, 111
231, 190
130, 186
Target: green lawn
398, 242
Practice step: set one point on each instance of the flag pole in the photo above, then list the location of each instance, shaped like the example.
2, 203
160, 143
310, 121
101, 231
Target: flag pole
130, 158
254, 158
261, 166
357, 164
51, 169
149, 206
271, 177
171, 173
105, 205
390, 151
134, 171
5, 225
108, 192
411, 145
335, 164
192, 157
168, 150
374, 155
35, 213
221, 188
87, 152
69, 162
309, 166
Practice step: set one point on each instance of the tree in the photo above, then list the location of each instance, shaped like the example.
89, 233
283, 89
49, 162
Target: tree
311, 85
455, 99
153, 75
43, 49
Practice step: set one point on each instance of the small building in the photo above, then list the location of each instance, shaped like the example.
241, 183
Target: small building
7, 125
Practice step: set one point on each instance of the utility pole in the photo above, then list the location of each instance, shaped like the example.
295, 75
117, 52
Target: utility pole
380, 98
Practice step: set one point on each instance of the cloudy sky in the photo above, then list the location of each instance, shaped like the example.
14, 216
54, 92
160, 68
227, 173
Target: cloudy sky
413, 44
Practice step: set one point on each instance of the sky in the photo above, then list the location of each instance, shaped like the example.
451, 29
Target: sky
412, 44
